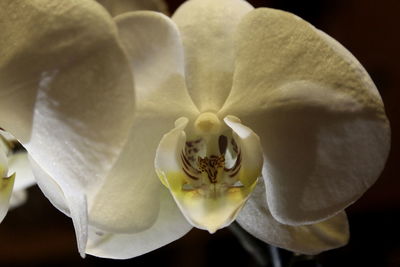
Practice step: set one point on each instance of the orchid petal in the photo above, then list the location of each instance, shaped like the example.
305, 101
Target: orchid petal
19, 164
155, 51
116, 7
64, 107
320, 118
251, 151
207, 28
6, 183
6, 188
169, 226
72, 204
307, 239
128, 201
50, 188
3, 159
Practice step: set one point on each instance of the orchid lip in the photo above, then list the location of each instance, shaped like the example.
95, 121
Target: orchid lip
211, 176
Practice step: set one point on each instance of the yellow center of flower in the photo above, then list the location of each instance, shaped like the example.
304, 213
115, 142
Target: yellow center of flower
210, 179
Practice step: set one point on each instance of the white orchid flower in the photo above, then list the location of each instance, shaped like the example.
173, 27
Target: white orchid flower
64, 79
276, 125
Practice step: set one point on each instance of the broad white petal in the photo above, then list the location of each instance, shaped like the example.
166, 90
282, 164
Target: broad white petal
307, 239
169, 226
19, 164
319, 116
155, 51
128, 201
207, 28
71, 109
116, 7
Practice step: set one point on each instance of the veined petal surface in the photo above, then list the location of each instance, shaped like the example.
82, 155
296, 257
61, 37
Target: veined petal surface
207, 28
128, 201
306, 239
320, 118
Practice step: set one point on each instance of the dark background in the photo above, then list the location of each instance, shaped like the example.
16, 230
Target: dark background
36, 234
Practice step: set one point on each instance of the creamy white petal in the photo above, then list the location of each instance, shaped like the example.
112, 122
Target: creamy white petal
207, 28
320, 118
155, 51
116, 7
251, 150
6, 183
19, 164
169, 226
6, 188
50, 188
72, 108
307, 239
3, 159
128, 201
70, 202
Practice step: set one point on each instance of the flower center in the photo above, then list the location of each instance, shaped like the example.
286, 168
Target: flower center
210, 168
209, 172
